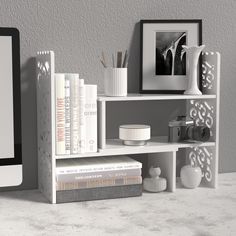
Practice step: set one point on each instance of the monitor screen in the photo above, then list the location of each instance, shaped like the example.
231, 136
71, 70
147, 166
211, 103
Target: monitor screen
6, 98
10, 98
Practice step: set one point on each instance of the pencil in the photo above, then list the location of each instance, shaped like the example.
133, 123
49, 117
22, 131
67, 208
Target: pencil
125, 59
103, 63
103, 59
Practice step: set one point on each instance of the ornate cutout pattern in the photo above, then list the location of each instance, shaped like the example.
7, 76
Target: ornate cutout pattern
210, 72
202, 157
202, 112
207, 75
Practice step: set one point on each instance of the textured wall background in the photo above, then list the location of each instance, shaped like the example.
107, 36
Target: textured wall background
77, 30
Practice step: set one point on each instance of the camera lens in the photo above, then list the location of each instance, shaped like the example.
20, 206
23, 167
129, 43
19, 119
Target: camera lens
198, 133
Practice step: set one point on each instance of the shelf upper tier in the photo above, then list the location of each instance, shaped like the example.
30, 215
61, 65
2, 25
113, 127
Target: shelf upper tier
155, 145
148, 97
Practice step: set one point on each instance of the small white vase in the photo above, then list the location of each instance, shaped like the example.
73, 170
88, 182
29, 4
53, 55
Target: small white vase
155, 183
190, 176
192, 55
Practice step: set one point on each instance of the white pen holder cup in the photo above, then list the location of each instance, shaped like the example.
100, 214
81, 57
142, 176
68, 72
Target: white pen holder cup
115, 82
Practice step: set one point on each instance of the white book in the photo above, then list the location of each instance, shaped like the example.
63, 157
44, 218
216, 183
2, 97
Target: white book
81, 116
90, 114
60, 113
67, 115
87, 165
74, 112
74, 177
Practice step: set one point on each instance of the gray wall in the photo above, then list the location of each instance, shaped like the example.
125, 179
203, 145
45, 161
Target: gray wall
78, 30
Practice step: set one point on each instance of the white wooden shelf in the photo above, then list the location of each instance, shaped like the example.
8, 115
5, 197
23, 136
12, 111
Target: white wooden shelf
149, 97
203, 109
155, 145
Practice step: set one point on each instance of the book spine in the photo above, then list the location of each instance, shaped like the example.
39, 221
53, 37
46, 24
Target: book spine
60, 113
100, 183
86, 169
90, 114
99, 193
81, 116
74, 101
67, 115
97, 175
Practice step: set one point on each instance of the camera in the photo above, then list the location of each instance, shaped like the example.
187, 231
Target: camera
183, 128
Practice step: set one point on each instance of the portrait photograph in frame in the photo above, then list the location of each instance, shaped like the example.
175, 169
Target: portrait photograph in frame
163, 67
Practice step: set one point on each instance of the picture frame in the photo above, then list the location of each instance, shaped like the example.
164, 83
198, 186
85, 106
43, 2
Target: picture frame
162, 61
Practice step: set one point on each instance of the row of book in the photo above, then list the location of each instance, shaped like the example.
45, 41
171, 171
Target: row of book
96, 174
76, 115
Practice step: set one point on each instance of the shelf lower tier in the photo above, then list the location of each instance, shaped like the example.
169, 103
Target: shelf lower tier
155, 145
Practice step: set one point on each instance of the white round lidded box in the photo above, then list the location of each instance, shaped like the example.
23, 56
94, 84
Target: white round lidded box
134, 134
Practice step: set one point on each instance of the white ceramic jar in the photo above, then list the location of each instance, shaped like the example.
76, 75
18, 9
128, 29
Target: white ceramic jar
191, 176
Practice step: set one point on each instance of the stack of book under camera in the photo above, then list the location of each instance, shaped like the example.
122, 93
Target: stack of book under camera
98, 178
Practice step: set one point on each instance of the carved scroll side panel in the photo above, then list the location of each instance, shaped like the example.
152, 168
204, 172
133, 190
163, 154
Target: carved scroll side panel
210, 72
203, 112
204, 157
206, 112
46, 162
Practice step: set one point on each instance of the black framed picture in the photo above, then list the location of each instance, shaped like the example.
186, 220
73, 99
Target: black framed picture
163, 61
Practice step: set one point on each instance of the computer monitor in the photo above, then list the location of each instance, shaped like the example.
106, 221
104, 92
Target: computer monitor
10, 108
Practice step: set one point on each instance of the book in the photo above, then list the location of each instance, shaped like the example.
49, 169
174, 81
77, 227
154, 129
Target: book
99, 193
74, 112
95, 183
81, 148
90, 114
85, 165
60, 113
97, 175
67, 115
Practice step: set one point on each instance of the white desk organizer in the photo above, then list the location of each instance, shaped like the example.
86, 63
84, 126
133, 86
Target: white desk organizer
203, 108
115, 82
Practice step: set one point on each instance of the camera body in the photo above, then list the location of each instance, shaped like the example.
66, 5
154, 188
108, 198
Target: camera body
183, 128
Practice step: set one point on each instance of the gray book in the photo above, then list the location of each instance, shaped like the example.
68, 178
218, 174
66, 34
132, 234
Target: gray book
99, 193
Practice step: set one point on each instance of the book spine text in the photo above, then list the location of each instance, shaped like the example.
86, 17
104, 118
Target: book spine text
90, 114
94, 183
81, 116
67, 116
97, 175
60, 113
74, 101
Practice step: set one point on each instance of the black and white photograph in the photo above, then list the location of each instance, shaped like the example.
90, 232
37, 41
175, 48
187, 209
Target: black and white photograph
163, 67
170, 57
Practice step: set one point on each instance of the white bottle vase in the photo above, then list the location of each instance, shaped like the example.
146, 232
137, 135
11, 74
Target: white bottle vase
192, 56
190, 176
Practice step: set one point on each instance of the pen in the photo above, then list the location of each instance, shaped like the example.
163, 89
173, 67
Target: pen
113, 60
119, 59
